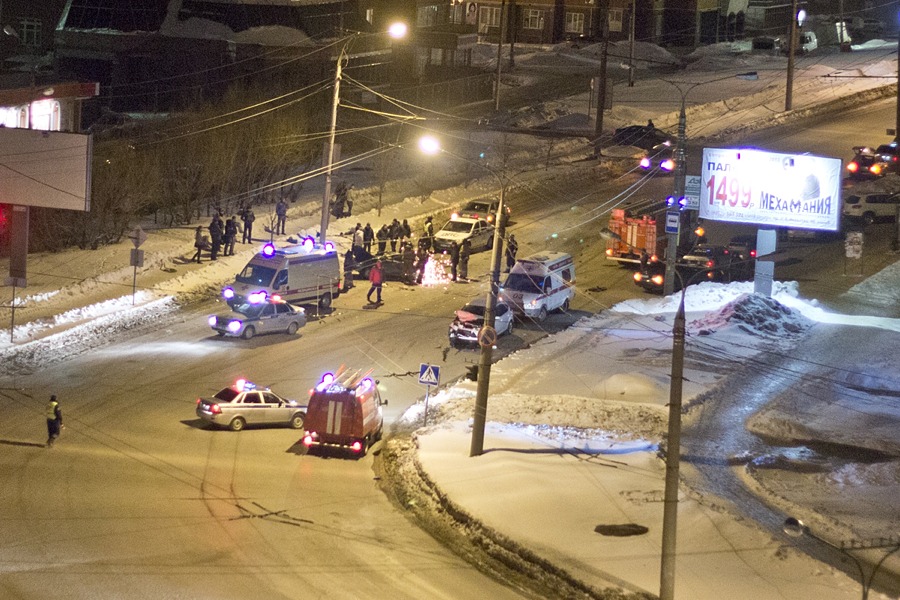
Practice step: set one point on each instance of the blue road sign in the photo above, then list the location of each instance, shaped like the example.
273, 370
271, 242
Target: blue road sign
429, 374
673, 221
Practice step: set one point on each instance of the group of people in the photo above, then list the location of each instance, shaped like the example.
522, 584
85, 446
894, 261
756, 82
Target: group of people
223, 234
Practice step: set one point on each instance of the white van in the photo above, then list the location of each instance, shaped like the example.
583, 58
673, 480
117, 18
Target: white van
540, 283
301, 273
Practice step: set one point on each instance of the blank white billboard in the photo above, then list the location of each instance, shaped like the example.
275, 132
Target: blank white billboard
45, 168
767, 188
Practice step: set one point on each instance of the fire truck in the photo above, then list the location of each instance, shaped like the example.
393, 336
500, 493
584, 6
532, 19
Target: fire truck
629, 236
344, 412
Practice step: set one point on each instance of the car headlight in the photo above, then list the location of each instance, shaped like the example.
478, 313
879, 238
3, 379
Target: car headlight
657, 279
234, 326
228, 293
667, 165
212, 321
645, 163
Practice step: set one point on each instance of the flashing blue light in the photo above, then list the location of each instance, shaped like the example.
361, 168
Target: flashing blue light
682, 202
308, 243
269, 250
670, 201
329, 246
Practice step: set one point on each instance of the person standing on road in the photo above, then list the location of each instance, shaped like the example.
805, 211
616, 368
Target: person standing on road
383, 235
422, 257
395, 231
376, 278
428, 234
464, 252
349, 266
405, 231
54, 420
248, 217
281, 214
358, 240
454, 259
512, 248
409, 263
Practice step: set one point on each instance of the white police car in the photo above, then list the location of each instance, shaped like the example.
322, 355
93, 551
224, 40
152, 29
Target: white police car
267, 315
243, 404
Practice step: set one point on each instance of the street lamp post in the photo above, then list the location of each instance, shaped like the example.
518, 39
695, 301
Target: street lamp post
396, 31
796, 22
796, 528
430, 145
681, 173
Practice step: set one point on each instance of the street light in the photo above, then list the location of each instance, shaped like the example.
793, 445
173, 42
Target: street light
796, 528
797, 18
681, 171
395, 31
673, 446
430, 145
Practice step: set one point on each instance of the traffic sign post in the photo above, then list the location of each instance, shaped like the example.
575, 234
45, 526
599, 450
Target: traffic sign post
429, 375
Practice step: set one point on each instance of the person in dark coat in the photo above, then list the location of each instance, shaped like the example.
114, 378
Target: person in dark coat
428, 233
216, 233
368, 237
199, 243
454, 259
395, 231
54, 420
465, 250
349, 266
408, 256
376, 278
248, 217
405, 231
281, 215
383, 235
231, 230
422, 257
512, 248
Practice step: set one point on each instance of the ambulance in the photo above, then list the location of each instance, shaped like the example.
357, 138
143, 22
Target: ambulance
304, 273
539, 284
344, 412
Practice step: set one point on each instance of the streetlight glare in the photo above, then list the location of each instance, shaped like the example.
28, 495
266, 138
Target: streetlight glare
429, 144
398, 30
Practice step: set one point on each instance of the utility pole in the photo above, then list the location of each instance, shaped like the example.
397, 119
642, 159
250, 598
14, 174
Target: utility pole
601, 93
631, 45
792, 48
499, 54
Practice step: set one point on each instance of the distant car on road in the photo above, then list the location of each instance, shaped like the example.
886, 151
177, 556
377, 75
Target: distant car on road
470, 319
715, 260
482, 209
871, 207
660, 159
243, 404
743, 256
865, 164
269, 315
479, 232
641, 136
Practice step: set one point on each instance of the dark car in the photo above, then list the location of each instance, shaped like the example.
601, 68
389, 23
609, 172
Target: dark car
715, 261
391, 264
661, 159
642, 136
743, 256
889, 154
652, 277
866, 164
482, 209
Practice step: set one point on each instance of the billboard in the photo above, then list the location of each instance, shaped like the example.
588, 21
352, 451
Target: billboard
767, 188
45, 168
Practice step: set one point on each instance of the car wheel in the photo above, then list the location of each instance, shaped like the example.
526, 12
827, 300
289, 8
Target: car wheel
542, 315
869, 218
297, 421
237, 424
565, 306
325, 301
220, 333
292, 328
249, 332
364, 447
509, 329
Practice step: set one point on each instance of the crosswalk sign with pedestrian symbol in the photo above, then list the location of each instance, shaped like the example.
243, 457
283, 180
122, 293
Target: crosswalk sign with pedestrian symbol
429, 374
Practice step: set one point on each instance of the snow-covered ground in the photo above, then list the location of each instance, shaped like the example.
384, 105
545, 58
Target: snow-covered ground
573, 422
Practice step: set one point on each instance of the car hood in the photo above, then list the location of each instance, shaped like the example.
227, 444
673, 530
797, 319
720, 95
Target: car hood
233, 316
451, 235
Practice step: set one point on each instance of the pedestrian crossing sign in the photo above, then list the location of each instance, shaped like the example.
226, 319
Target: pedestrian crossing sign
429, 374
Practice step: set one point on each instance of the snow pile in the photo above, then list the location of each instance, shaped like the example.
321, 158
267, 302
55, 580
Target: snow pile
754, 314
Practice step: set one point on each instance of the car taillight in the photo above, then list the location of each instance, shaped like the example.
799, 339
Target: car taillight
199, 400
637, 276
356, 446
215, 409
657, 279
875, 169
710, 264
753, 254
307, 440
852, 167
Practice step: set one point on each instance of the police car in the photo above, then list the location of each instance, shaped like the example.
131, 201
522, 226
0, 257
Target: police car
264, 315
243, 404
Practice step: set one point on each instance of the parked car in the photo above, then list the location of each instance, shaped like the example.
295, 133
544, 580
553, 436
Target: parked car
243, 404
641, 136
470, 319
871, 207
716, 261
743, 256
890, 156
391, 264
479, 232
661, 159
269, 315
483, 209
652, 276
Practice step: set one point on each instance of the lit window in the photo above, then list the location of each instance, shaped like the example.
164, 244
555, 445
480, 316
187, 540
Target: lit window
615, 19
370, 14
488, 17
533, 19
